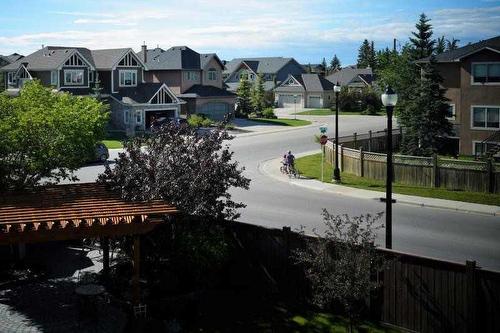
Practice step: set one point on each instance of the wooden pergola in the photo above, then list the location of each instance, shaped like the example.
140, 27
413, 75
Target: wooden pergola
76, 211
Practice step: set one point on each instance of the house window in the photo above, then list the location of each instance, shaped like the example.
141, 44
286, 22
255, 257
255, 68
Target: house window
212, 74
481, 148
486, 73
126, 115
128, 78
138, 117
451, 114
54, 77
485, 117
252, 76
91, 76
73, 77
191, 76
10, 77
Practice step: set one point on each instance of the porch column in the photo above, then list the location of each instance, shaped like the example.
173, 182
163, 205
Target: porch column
136, 291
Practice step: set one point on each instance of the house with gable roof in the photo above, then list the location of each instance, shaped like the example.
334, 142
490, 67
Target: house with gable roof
274, 71
193, 77
352, 77
304, 91
120, 73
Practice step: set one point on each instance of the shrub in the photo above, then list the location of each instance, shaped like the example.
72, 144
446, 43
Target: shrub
268, 113
196, 120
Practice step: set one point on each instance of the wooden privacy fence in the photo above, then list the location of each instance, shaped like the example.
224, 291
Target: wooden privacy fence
451, 174
418, 293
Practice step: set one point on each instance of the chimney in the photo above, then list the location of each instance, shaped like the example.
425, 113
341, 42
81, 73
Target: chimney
144, 49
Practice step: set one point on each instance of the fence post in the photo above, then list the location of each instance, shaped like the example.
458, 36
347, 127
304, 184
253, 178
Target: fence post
341, 157
490, 169
435, 171
355, 135
370, 140
471, 305
361, 160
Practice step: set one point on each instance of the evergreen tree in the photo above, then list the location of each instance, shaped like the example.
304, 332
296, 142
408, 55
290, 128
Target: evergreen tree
452, 44
335, 63
440, 45
309, 68
258, 95
423, 44
324, 67
366, 55
425, 116
243, 97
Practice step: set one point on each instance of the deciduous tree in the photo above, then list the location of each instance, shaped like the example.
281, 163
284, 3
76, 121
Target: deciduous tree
192, 171
340, 263
45, 136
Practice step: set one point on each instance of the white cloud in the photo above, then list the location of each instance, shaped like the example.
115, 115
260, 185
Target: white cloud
251, 26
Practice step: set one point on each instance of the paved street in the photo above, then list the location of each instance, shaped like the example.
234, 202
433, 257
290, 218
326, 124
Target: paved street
431, 232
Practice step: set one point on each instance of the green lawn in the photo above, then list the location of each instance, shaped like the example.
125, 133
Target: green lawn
282, 122
324, 322
113, 144
329, 112
310, 166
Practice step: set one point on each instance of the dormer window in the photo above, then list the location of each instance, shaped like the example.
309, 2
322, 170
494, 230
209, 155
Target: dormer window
212, 74
128, 78
486, 73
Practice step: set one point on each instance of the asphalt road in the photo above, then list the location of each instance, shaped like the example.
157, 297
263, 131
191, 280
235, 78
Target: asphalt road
432, 232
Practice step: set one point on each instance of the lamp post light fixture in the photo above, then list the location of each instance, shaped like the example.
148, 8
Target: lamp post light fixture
389, 99
336, 170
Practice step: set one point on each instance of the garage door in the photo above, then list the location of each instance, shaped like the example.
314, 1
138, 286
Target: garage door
314, 101
215, 111
287, 101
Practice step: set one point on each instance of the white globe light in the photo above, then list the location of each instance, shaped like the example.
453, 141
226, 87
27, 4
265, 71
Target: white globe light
389, 98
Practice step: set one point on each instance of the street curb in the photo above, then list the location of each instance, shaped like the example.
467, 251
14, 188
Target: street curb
375, 195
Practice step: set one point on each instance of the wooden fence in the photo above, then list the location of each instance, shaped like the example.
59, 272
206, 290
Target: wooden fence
420, 294
451, 174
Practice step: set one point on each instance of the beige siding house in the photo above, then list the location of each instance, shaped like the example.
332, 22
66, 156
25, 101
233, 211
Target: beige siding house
304, 91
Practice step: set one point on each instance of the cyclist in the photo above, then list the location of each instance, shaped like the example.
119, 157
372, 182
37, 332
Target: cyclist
290, 161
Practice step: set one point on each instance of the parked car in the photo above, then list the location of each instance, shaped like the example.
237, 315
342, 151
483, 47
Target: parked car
101, 153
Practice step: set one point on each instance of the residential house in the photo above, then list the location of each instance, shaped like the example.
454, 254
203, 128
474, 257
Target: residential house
193, 77
471, 76
274, 70
354, 78
133, 102
4, 61
304, 91
314, 68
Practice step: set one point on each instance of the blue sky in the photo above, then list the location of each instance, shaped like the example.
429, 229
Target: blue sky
305, 30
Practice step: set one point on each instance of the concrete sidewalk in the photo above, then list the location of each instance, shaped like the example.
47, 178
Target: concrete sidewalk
271, 168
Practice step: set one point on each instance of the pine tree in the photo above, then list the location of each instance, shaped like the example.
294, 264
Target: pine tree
423, 44
440, 45
452, 44
366, 55
258, 95
335, 63
425, 116
244, 107
324, 67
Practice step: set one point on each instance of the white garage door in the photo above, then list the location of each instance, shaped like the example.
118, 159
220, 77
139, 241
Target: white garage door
314, 101
287, 100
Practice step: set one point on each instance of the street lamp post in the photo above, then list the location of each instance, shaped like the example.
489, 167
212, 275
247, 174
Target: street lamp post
389, 99
336, 171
